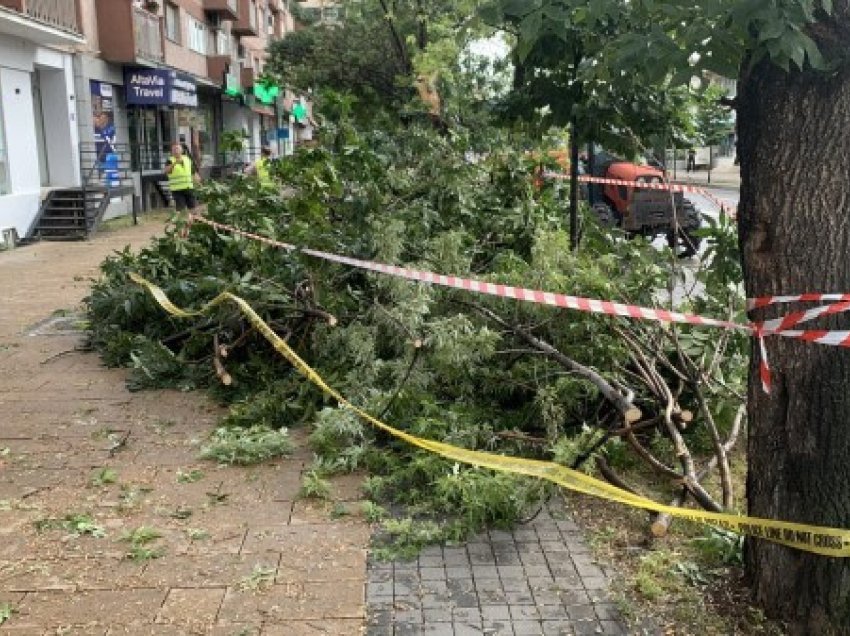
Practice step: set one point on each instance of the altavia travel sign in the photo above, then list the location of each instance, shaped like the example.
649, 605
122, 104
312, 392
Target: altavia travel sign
159, 87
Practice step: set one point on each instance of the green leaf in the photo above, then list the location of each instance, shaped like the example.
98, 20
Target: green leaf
772, 30
531, 26
815, 58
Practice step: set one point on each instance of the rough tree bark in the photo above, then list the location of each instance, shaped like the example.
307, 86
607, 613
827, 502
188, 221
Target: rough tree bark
794, 147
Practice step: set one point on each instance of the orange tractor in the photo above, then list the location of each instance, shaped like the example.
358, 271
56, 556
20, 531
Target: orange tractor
646, 212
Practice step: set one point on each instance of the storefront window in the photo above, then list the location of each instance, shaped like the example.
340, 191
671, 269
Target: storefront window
5, 186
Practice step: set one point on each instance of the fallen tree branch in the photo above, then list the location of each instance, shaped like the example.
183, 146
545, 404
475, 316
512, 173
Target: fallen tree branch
225, 378
621, 402
662, 521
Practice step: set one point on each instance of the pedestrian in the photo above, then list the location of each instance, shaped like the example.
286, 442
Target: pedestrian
262, 169
692, 160
182, 176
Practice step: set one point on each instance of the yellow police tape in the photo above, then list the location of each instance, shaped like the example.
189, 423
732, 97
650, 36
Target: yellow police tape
820, 540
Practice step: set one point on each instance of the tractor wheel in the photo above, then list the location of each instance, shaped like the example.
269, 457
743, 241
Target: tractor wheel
687, 239
688, 242
605, 215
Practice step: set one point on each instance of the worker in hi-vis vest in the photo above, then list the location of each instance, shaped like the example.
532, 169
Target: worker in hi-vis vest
182, 175
262, 168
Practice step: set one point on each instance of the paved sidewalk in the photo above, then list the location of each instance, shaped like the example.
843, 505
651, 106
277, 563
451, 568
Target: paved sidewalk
84, 462
725, 175
539, 579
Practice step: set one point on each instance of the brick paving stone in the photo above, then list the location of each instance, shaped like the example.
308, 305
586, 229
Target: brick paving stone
458, 572
580, 613
485, 571
526, 628
439, 629
495, 612
312, 628
455, 556
53, 609
435, 561
437, 615
497, 628
191, 608
432, 574
556, 628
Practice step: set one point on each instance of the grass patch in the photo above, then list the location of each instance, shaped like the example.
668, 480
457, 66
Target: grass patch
6, 611
259, 579
246, 446
314, 486
197, 534
104, 477
74, 523
189, 477
140, 540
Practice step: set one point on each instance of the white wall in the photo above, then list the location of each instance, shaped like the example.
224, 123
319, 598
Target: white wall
19, 59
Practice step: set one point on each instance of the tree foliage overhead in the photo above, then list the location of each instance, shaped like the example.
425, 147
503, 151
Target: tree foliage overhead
384, 53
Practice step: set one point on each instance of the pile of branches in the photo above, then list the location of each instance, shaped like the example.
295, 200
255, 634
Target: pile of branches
493, 374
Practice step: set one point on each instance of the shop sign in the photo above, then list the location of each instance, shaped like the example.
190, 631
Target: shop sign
159, 87
184, 91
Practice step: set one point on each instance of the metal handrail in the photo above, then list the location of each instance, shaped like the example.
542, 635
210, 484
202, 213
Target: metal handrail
90, 151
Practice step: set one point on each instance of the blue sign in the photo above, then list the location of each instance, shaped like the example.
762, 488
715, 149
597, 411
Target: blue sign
159, 87
283, 133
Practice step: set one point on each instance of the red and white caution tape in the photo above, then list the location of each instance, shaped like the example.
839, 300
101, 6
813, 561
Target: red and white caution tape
776, 327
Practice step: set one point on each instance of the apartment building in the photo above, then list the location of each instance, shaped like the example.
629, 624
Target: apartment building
93, 92
158, 71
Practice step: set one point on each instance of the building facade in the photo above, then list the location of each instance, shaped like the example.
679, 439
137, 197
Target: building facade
96, 91
38, 128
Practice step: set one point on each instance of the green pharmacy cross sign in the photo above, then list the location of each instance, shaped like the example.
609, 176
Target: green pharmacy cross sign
299, 111
266, 93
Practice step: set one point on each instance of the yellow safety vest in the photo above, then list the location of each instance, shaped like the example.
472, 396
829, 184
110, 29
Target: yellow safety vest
180, 177
263, 174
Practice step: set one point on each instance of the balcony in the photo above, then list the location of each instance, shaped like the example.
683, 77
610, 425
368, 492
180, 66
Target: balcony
246, 24
127, 34
247, 77
225, 9
217, 67
44, 21
219, 57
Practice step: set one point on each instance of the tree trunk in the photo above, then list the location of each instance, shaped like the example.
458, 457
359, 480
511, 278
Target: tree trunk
794, 221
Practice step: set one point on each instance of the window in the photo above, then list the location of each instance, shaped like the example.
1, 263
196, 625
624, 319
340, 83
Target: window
197, 36
222, 43
172, 22
330, 14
